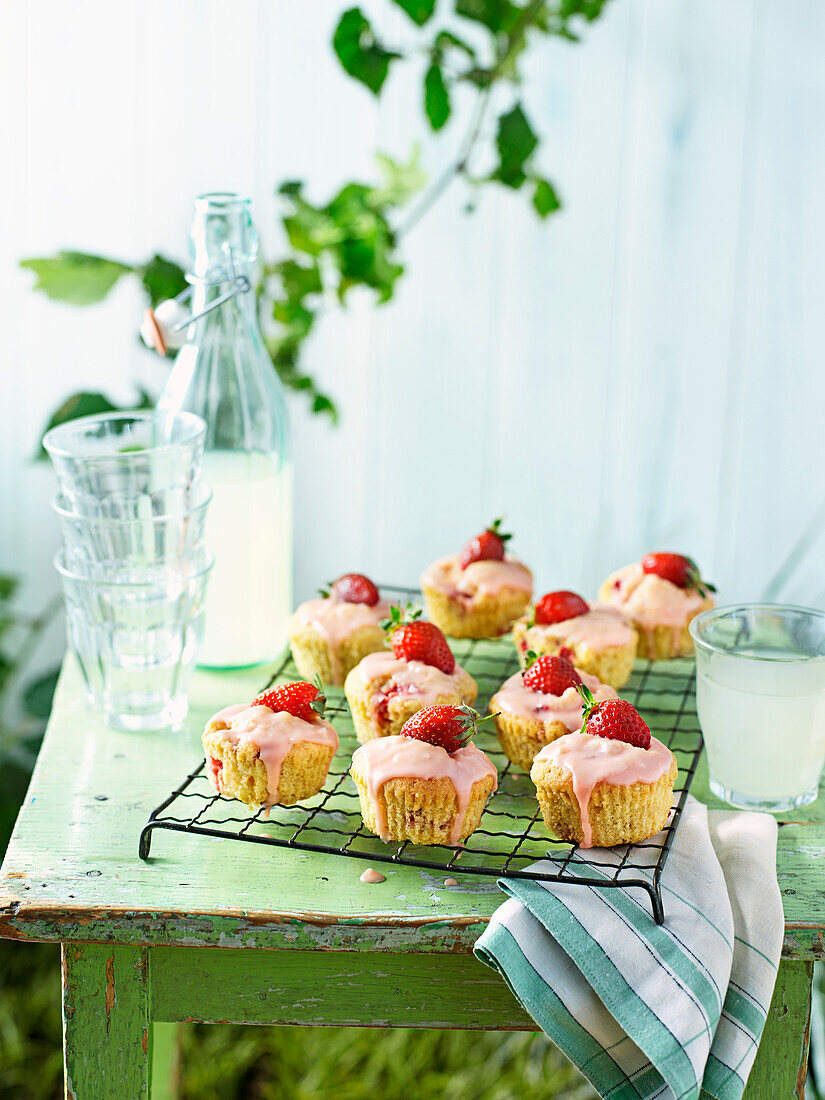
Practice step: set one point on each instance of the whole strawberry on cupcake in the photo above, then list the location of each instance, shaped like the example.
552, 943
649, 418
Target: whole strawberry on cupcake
418, 670
275, 750
661, 594
479, 592
542, 703
430, 783
601, 639
610, 783
329, 635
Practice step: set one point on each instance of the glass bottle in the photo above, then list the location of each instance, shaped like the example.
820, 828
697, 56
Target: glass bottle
224, 374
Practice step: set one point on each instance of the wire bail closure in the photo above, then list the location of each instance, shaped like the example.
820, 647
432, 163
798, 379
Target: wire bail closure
161, 326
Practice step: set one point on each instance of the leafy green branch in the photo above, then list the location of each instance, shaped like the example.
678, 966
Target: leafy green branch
352, 240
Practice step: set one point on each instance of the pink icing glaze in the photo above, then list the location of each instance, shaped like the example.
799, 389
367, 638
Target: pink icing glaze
406, 758
651, 600
372, 878
338, 620
514, 697
601, 627
400, 677
273, 734
592, 760
480, 578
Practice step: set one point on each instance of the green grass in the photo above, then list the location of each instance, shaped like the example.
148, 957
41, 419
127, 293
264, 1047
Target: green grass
223, 1062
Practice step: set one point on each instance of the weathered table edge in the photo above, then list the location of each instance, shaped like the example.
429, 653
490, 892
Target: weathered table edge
281, 931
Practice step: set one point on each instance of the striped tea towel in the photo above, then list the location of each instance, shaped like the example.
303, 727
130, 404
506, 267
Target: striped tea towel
644, 1010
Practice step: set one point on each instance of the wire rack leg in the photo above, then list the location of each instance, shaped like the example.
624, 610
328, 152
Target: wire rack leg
655, 892
145, 842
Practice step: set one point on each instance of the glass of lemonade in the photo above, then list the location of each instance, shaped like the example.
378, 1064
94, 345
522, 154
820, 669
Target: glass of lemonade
760, 692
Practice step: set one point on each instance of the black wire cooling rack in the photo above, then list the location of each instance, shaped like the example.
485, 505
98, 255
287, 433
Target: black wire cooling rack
511, 834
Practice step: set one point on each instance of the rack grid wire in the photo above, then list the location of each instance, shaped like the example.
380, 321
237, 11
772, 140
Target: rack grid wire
511, 835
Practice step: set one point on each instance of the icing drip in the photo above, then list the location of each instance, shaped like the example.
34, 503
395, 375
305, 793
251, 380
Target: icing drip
651, 601
514, 697
406, 758
592, 760
601, 627
272, 733
480, 578
337, 620
392, 676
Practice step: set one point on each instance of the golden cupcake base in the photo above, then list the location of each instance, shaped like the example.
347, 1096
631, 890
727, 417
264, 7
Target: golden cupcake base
618, 815
521, 738
485, 616
422, 811
243, 774
314, 656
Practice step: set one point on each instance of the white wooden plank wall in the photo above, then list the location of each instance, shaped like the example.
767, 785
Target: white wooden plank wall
644, 371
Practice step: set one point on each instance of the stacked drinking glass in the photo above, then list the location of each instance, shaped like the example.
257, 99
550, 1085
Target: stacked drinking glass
133, 564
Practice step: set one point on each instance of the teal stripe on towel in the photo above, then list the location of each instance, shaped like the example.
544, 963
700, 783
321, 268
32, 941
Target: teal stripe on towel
620, 999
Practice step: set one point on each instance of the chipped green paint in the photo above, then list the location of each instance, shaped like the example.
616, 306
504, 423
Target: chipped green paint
781, 1065
299, 987
107, 1023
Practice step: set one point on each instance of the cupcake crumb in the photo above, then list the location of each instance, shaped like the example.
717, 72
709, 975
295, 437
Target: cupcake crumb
372, 877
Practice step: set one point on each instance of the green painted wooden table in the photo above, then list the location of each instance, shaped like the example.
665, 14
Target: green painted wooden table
216, 931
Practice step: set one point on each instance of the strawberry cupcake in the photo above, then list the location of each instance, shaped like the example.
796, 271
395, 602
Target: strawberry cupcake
543, 703
480, 592
661, 594
610, 783
601, 638
329, 635
419, 670
274, 751
428, 785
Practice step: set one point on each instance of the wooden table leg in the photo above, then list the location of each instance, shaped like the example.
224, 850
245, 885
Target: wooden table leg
107, 1027
781, 1065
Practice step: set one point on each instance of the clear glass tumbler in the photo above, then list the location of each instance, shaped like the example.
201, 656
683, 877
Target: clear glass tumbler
137, 640
104, 463
760, 688
105, 546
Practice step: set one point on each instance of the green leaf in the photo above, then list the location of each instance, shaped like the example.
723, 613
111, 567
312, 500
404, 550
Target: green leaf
299, 280
76, 277
163, 279
322, 404
90, 404
446, 39
498, 15
516, 143
418, 10
38, 695
401, 180
8, 586
545, 199
359, 52
436, 97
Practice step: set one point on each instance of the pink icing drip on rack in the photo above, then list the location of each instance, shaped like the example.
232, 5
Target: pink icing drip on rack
406, 758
